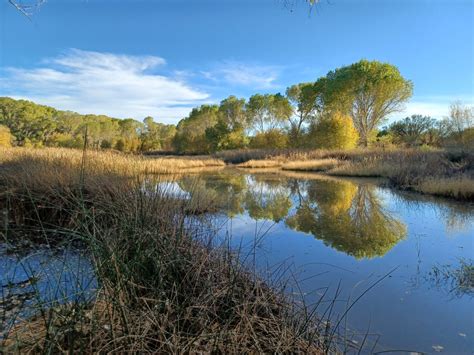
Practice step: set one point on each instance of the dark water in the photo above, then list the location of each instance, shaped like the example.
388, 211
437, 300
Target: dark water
331, 234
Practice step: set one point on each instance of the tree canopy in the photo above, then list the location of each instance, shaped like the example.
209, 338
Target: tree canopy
368, 91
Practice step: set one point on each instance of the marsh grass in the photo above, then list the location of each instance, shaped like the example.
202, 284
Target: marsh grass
312, 165
261, 164
437, 172
164, 285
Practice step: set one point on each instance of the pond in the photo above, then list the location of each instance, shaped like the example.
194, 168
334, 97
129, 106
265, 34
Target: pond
395, 267
336, 238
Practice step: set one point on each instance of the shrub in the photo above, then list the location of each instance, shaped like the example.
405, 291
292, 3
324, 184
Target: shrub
335, 131
6, 137
273, 138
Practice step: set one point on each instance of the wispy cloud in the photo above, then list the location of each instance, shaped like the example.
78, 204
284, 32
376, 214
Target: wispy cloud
104, 83
248, 75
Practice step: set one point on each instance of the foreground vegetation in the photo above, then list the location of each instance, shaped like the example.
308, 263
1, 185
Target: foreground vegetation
164, 285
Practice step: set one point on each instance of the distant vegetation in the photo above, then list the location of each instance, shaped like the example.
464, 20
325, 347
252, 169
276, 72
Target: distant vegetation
342, 110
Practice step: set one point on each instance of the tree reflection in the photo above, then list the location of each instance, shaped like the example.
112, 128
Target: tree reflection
347, 217
267, 200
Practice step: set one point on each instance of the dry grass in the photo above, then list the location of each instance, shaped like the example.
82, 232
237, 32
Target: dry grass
109, 161
461, 187
261, 164
438, 172
164, 287
50, 168
312, 165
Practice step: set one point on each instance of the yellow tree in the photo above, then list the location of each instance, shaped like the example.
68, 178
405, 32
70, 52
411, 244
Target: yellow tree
333, 131
5, 137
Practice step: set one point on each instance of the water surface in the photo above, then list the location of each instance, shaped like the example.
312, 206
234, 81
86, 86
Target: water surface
338, 237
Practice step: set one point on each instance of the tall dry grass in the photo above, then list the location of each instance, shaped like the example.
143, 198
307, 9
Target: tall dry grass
165, 285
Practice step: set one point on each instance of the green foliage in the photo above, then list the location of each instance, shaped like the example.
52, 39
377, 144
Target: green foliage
156, 136
368, 91
229, 131
304, 97
414, 130
35, 125
333, 131
191, 131
273, 138
267, 112
28, 122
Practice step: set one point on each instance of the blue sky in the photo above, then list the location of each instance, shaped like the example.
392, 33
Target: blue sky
134, 58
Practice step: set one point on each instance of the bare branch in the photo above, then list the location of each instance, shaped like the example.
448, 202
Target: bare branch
27, 9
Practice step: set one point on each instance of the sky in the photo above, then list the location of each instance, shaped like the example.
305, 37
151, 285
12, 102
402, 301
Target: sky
138, 58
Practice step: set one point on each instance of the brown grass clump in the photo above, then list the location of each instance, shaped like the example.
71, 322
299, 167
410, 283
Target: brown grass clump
261, 164
461, 187
312, 165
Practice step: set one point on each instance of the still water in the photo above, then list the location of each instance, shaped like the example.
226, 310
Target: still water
337, 237
331, 240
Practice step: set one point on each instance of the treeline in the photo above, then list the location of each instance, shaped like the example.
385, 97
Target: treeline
24, 123
341, 110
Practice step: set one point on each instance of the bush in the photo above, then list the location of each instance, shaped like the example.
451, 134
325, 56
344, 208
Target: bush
273, 138
6, 137
335, 131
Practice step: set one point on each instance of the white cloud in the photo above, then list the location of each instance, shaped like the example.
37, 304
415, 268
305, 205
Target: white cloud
104, 83
244, 74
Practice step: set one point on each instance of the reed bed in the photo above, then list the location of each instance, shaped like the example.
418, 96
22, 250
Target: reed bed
165, 284
105, 161
261, 164
438, 172
312, 165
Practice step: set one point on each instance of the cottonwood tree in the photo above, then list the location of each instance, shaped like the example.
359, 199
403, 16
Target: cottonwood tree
229, 131
267, 112
369, 91
191, 131
304, 98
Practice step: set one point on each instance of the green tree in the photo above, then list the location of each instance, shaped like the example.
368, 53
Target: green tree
368, 91
156, 136
30, 123
229, 131
413, 130
304, 98
267, 112
191, 131
273, 138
